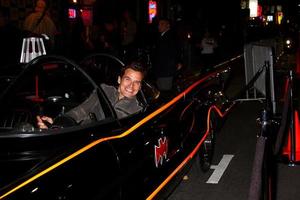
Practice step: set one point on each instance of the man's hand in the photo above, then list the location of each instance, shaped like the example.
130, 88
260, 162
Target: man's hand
42, 121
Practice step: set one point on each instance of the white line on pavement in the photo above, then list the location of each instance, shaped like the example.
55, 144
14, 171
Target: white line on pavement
219, 169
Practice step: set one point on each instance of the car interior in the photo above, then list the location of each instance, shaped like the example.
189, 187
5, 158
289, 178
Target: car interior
50, 89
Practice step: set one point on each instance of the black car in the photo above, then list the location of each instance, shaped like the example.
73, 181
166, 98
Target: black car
141, 156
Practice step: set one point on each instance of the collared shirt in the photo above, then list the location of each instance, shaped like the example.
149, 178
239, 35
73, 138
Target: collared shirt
162, 34
123, 107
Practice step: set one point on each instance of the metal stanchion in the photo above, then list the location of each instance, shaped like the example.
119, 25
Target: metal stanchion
260, 178
292, 124
261, 186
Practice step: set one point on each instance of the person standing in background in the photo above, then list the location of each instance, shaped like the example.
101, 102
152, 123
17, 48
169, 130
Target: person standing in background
208, 45
39, 22
75, 40
128, 29
166, 56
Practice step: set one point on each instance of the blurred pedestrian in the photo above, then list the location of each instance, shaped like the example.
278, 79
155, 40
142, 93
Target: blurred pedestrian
128, 29
39, 22
111, 36
208, 45
166, 56
75, 38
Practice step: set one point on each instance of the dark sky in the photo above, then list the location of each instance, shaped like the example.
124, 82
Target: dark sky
212, 11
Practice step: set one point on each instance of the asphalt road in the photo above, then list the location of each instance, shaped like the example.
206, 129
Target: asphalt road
237, 139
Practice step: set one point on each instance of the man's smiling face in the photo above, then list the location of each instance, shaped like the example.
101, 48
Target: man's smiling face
130, 83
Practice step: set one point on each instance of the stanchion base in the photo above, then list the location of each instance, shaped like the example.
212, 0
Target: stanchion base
285, 159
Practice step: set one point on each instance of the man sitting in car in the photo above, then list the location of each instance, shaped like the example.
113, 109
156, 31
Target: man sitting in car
123, 98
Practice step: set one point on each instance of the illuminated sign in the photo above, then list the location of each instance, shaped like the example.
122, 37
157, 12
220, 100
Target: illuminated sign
72, 13
152, 10
259, 10
253, 6
279, 17
270, 18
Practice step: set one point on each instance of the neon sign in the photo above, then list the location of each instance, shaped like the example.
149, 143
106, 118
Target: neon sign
72, 13
152, 10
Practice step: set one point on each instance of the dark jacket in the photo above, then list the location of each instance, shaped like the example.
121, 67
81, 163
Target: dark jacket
166, 55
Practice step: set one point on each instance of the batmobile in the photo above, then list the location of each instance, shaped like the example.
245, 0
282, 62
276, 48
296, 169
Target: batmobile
142, 156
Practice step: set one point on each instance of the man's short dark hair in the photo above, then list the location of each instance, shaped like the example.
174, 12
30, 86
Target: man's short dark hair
136, 66
165, 19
